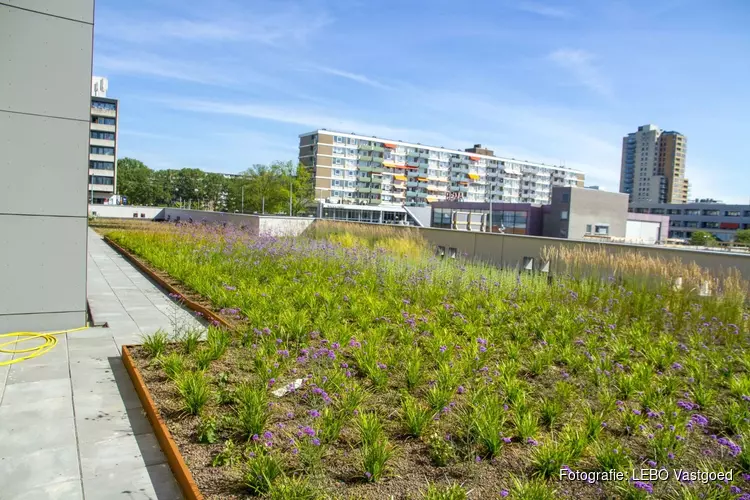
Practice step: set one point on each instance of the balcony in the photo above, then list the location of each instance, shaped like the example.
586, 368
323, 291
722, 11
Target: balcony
412, 184
411, 193
377, 159
376, 179
378, 148
363, 189
376, 190
363, 178
103, 112
366, 148
363, 157
365, 168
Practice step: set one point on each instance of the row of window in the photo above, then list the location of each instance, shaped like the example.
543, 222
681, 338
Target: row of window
101, 165
103, 120
695, 211
104, 105
102, 180
110, 136
101, 150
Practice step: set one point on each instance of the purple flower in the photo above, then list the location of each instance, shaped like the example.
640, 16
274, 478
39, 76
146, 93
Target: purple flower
382, 366
307, 430
676, 366
315, 442
268, 435
734, 448
686, 405
443, 348
699, 419
503, 493
314, 413
651, 463
532, 441
507, 440
642, 485
735, 490
460, 389
478, 459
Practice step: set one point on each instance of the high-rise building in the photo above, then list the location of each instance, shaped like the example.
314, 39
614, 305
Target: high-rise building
653, 166
357, 169
103, 143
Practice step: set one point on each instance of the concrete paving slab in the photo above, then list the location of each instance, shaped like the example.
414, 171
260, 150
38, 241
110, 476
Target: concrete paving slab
67, 490
54, 408
106, 425
20, 474
22, 372
119, 454
36, 432
31, 392
154, 482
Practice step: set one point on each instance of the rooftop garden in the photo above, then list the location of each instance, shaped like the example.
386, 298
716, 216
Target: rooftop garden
361, 366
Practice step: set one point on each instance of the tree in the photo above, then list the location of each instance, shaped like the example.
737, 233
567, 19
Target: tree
742, 236
134, 181
702, 238
304, 191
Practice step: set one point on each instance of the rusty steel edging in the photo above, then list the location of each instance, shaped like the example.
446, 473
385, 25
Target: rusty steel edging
169, 447
194, 306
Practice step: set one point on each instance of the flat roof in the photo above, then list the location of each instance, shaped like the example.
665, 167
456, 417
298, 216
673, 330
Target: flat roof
376, 208
454, 151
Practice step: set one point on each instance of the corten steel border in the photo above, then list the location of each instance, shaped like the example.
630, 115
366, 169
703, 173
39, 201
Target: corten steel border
148, 271
169, 447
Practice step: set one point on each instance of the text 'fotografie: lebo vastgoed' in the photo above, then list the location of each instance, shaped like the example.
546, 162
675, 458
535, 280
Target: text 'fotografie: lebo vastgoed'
696, 476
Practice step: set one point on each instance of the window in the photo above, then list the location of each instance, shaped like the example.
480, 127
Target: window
101, 165
99, 179
104, 105
102, 120
564, 215
110, 136
339, 139
692, 211
733, 213
602, 229
338, 161
714, 213
566, 198
97, 150
588, 228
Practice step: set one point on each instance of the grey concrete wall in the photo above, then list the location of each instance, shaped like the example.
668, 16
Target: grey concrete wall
592, 206
511, 250
45, 101
259, 224
125, 212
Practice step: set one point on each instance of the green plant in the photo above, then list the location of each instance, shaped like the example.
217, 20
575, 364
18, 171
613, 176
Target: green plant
189, 340
610, 455
155, 344
173, 365
415, 416
262, 470
207, 431
413, 372
370, 428
550, 410
533, 489
203, 358
194, 390
487, 422
438, 396
526, 423
376, 457
217, 342
229, 455
252, 409
548, 458
293, 488
331, 423
453, 491
592, 422
441, 450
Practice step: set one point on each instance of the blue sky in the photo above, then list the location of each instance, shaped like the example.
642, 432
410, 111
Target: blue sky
222, 85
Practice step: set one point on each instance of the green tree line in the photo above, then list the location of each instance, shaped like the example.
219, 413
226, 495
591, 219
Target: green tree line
260, 188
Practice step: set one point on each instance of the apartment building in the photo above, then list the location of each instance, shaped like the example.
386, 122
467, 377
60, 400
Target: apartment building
719, 219
102, 144
653, 166
357, 169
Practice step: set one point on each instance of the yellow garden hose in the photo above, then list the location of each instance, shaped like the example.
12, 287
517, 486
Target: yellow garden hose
49, 342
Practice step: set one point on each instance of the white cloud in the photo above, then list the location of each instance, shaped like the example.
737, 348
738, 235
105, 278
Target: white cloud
354, 77
544, 10
290, 26
150, 65
580, 65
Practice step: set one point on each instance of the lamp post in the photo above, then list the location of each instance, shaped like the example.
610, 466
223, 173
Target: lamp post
242, 190
290, 192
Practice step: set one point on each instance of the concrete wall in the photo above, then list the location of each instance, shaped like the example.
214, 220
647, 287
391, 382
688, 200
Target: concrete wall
512, 250
125, 212
259, 224
592, 207
45, 106
661, 220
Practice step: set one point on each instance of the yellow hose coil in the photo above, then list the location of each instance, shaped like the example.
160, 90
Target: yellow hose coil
49, 342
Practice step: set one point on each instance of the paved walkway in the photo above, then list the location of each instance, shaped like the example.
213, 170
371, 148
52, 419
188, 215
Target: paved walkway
71, 424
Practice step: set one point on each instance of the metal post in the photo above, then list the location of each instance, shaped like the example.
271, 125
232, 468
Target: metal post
490, 185
290, 193
263, 204
242, 189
